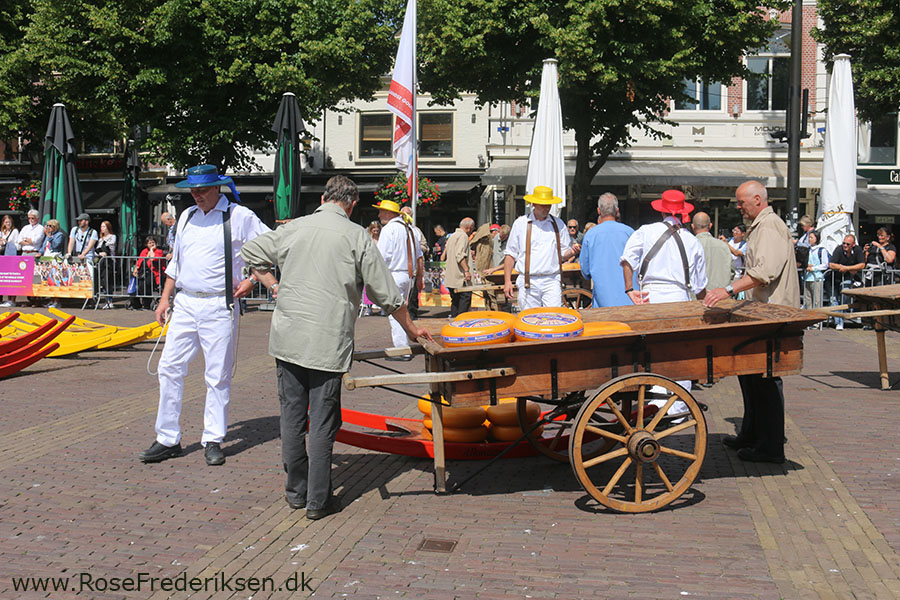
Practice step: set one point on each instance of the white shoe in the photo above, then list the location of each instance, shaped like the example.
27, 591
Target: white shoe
839, 327
7, 304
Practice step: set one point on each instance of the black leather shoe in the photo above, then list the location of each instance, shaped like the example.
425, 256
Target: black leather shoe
736, 442
298, 505
404, 358
331, 507
214, 455
754, 455
158, 453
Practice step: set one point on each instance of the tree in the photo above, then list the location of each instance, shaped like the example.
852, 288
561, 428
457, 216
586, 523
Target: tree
620, 61
867, 31
204, 77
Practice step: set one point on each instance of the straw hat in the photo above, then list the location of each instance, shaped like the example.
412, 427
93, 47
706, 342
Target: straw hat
542, 195
388, 205
672, 203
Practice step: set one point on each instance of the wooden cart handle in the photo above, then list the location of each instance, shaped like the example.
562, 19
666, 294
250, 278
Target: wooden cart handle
351, 383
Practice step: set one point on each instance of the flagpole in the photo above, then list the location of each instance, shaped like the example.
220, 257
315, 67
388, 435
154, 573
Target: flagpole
414, 201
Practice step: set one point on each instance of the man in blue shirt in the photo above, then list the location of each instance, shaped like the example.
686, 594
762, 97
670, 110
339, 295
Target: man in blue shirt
600, 253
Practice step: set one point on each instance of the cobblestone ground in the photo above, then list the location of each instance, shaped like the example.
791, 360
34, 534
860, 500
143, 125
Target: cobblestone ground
77, 505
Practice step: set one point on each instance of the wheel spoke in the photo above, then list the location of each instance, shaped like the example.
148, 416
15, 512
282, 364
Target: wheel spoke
607, 434
678, 453
605, 457
662, 476
638, 482
617, 476
661, 413
555, 443
676, 429
642, 391
619, 416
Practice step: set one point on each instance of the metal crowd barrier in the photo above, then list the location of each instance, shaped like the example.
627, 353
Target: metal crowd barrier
834, 282
112, 275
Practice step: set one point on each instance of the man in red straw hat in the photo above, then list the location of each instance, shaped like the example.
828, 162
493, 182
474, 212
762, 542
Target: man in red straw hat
669, 260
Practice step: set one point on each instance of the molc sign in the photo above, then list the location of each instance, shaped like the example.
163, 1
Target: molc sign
880, 176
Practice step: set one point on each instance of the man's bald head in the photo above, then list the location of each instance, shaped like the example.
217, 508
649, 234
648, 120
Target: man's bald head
700, 222
467, 225
752, 198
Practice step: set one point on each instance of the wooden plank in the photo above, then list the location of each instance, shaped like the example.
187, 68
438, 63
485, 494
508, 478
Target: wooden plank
352, 383
881, 292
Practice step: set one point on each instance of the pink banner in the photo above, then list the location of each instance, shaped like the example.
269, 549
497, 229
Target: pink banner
16, 275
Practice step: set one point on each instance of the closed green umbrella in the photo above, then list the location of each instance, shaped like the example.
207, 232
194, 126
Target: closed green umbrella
60, 192
128, 213
288, 125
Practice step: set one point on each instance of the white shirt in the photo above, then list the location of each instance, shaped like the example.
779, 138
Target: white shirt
544, 259
198, 264
666, 267
36, 233
738, 260
392, 242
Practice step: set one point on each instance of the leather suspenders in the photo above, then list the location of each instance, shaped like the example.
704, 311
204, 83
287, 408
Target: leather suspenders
410, 243
528, 249
671, 231
229, 256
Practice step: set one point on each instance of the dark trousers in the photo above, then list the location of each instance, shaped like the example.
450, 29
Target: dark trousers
459, 302
308, 398
763, 423
412, 303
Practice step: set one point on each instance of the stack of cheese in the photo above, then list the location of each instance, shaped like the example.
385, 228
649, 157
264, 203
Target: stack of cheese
503, 420
465, 424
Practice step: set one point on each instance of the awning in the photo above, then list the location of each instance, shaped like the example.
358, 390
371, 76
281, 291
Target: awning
318, 189
879, 202
707, 173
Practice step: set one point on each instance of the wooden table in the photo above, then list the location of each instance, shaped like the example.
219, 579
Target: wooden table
882, 306
599, 389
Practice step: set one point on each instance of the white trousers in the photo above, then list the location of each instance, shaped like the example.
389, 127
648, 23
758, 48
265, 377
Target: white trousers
544, 291
398, 336
660, 294
197, 323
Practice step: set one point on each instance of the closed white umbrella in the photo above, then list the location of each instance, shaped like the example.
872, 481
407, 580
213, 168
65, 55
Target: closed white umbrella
838, 195
546, 163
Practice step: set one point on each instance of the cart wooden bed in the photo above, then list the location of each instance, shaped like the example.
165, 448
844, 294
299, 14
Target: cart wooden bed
881, 304
607, 398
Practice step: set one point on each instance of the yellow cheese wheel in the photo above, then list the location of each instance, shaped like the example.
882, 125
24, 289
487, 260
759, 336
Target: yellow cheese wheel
510, 433
548, 323
486, 314
470, 416
425, 405
604, 328
507, 414
467, 435
479, 331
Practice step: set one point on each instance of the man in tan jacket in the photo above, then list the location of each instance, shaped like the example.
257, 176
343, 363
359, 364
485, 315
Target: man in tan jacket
457, 273
770, 275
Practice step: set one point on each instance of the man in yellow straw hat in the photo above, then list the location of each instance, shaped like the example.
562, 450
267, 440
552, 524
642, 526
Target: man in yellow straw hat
537, 246
403, 255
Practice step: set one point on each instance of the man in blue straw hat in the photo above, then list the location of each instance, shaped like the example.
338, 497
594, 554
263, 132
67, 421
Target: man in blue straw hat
205, 271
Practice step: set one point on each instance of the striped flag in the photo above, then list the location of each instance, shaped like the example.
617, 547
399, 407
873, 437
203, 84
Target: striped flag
402, 101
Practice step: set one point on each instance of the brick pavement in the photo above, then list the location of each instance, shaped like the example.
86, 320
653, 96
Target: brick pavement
75, 499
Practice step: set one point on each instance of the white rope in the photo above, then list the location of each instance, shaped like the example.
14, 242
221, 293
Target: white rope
156, 345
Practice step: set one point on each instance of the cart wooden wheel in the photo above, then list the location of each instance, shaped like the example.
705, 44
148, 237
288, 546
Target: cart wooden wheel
553, 442
577, 298
659, 458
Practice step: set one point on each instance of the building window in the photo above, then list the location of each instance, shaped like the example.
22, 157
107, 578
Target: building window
768, 84
435, 135
707, 95
878, 141
375, 135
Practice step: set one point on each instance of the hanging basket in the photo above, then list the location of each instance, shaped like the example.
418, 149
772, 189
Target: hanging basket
395, 191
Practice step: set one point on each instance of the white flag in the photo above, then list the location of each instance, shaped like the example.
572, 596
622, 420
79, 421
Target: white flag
402, 95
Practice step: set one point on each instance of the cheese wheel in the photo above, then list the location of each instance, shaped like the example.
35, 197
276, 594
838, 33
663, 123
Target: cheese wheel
604, 328
425, 405
507, 414
470, 416
548, 323
476, 332
466, 435
510, 433
485, 314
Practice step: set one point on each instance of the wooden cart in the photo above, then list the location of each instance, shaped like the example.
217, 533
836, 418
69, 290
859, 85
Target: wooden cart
881, 305
608, 398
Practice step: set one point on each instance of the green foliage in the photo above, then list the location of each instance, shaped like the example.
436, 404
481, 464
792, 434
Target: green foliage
868, 31
619, 60
205, 76
395, 190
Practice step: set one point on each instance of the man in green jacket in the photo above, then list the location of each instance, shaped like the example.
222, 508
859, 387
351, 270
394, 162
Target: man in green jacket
324, 259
